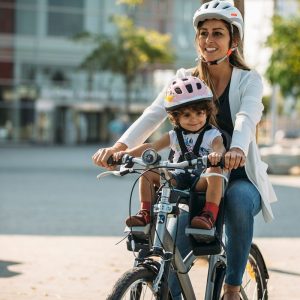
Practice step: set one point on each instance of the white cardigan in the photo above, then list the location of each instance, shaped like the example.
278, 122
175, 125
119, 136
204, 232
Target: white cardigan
246, 108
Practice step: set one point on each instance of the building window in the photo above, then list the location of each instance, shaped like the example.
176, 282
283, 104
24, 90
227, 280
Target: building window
65, 17
26, 17
28, 74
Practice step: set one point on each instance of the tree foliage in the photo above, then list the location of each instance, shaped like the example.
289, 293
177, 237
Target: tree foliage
284, 65
130, 2
130, 50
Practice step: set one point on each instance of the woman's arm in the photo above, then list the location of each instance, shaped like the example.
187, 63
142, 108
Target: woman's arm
249, 113
146, 124
246, 119
136, 134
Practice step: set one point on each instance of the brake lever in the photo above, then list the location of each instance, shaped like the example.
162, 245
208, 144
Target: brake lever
107, 173
123, 171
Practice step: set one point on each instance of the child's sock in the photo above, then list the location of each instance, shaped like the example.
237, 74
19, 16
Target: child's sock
213, 208
146, 205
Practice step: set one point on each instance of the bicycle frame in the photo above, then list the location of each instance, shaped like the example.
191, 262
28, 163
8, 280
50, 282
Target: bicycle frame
182, 265
162, 240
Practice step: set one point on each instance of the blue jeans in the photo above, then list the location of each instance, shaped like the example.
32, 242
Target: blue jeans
242, 203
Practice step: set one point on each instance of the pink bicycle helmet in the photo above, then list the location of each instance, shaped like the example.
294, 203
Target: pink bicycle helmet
185, 91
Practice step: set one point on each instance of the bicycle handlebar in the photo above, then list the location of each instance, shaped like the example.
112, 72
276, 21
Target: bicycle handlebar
147, 159
151, 159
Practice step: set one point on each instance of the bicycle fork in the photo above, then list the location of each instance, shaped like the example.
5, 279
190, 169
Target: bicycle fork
162, 209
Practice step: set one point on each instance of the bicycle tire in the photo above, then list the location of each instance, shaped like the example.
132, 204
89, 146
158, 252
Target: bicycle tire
255, 278
135, 284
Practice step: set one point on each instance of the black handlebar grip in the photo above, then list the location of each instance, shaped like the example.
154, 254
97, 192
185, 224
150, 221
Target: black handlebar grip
112, 162
221, 163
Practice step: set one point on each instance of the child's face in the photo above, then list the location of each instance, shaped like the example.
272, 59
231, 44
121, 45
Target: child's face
192, 120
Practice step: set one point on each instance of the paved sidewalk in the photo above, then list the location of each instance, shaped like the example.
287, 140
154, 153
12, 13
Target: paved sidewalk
85, 268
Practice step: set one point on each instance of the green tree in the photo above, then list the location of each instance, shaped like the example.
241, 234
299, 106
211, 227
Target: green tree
131, 50
284, 65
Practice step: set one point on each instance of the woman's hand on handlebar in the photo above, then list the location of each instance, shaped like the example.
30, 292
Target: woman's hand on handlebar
234, 158
101, 156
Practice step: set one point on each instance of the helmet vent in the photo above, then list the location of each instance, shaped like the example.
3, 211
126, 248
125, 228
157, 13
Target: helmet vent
225, 7
178, 90
216, 4
189, 88
199, 86
206, 6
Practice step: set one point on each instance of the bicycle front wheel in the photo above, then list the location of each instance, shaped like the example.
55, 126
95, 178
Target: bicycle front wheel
135, 284
254, 282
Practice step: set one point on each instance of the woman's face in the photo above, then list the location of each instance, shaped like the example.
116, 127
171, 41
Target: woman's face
213, 39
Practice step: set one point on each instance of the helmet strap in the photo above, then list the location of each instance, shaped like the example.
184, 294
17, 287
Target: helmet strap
217, 61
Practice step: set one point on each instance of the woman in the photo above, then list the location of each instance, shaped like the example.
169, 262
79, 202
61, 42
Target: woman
238, 96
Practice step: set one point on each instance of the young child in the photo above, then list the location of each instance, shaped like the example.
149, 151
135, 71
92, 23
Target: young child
189, 103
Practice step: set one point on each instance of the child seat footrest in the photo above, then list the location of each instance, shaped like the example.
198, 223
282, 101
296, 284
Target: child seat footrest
140, 232
202, 235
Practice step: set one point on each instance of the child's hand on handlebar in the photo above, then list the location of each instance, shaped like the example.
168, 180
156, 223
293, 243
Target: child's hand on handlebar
214, 158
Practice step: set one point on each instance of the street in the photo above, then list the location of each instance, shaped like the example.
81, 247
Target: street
59, 228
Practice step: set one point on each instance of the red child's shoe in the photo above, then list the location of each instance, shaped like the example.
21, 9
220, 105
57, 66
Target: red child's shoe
142, 218
204, 221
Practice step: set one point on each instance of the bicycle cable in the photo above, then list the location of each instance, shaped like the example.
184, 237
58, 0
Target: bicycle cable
130, 201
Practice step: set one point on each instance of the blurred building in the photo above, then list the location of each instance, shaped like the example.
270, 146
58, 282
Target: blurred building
44, 96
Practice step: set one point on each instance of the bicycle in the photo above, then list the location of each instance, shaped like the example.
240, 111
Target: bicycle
157, 251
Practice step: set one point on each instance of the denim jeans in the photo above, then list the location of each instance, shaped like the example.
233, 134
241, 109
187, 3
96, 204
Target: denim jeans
242, 203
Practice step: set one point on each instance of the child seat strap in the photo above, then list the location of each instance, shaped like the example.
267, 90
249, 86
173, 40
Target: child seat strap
179, 134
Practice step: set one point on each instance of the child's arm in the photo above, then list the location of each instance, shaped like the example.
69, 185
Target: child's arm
158, 145
218, 150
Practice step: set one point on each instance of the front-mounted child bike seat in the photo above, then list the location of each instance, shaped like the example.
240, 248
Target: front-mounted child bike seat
204, 242
137, 236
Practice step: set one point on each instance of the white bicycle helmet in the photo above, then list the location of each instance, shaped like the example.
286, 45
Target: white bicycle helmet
186, 91
222, 10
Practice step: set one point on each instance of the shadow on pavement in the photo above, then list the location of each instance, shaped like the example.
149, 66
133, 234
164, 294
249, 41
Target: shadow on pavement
4, 269
285, 272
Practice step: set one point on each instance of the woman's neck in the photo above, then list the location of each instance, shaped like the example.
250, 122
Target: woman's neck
220, 76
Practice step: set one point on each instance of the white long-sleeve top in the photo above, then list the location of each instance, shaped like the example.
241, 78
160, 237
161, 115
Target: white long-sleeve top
245, 100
